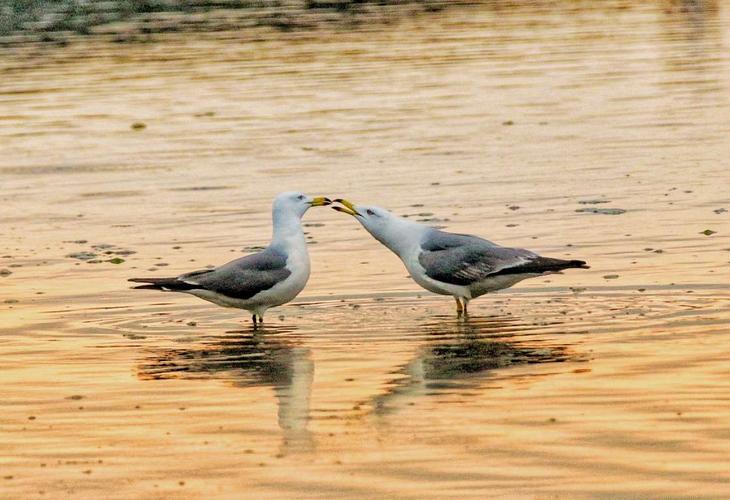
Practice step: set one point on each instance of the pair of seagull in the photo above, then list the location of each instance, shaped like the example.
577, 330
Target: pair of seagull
459, 265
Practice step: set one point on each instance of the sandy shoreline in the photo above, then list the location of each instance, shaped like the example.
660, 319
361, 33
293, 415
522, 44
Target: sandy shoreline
557, 131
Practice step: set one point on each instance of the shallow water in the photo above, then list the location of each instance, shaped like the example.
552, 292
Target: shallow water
503, 120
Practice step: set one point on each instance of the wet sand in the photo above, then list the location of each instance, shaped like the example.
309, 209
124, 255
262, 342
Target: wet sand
515, 122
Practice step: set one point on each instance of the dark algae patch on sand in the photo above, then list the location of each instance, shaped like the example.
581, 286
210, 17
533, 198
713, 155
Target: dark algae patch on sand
133, 20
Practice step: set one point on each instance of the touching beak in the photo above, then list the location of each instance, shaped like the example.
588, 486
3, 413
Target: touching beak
320, 201
348, 207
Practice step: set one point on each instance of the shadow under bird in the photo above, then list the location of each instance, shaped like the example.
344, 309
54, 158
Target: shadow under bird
256, 282
460, 265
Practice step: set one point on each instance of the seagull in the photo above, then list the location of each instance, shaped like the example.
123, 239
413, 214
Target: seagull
256, 282
460, 265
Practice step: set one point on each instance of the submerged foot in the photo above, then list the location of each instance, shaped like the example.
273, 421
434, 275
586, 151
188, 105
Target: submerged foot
459, 306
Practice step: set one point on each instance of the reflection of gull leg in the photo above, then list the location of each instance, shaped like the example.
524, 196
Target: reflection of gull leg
294, 401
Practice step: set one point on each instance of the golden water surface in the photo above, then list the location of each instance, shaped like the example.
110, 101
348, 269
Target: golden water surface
512, 120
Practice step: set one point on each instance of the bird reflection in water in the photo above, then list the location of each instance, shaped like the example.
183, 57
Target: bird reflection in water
460, 355
456, 356
266, 357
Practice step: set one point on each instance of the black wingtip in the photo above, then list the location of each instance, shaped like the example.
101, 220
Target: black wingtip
145, 287
165, 284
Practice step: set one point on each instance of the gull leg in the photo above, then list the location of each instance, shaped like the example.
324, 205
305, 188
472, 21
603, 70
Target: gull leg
459, 306
253, 318
466, 303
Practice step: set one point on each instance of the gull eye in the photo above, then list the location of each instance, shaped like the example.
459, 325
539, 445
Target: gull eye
300, 197
370, 212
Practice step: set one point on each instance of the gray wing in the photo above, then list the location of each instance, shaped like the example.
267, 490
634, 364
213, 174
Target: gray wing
242, 278
441, 240
461, 259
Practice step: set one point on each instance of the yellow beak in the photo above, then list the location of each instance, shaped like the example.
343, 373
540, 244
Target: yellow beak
320, 201
348, 207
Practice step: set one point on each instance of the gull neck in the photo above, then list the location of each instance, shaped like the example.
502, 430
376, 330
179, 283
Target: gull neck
287, 229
